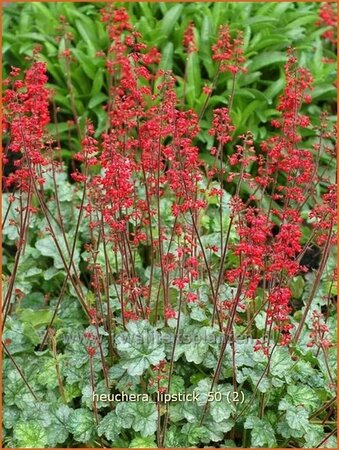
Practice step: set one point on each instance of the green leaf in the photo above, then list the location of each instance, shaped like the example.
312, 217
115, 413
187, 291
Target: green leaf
297, 418
48, 374
110, 426
323, 91
297, 286
170, 19
140, 347
245, 355
141, 416
86, 63
266, 59
269, 42
146, 11
33, 36
185, 410
198, 314
102, 119
304, 20
262, 434
97, 100
143, 442
193, 87
23, 337
205, 45
145, 419
71, 391
261, 20
177, 384
97, 82
220, 410
81, 424
166, 62
55, 70
196, 348
174, 438
295, 421
30, 434
86, 36
10, 416
281, 363
43, 11
195, 433
255, 375
87, 395
48, 247
120, 378
62, 127
315, 434
216, 430
301, 394
57, 431
36, 317
196, 352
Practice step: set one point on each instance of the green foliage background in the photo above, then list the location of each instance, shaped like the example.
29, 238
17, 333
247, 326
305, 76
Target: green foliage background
269, 29
295, 390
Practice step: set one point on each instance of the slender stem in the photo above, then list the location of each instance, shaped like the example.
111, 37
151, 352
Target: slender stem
214, 83
327, 437
315, 285
64, 285
163, 438
57, 368
250, 402
103, 361
95, 407
8, 353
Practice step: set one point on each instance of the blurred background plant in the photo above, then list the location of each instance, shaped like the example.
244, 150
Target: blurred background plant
268, 29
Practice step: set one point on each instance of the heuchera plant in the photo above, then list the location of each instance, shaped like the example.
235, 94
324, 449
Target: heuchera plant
154, 269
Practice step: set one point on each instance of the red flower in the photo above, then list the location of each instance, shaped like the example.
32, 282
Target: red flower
328, 18
221, 126
189, 41
26, 115
229, 52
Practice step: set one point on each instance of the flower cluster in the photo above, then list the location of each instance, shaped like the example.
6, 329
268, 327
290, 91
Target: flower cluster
160, 378
189, 40
270, 239
25, 117
229, 52
319, 332
328, 18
